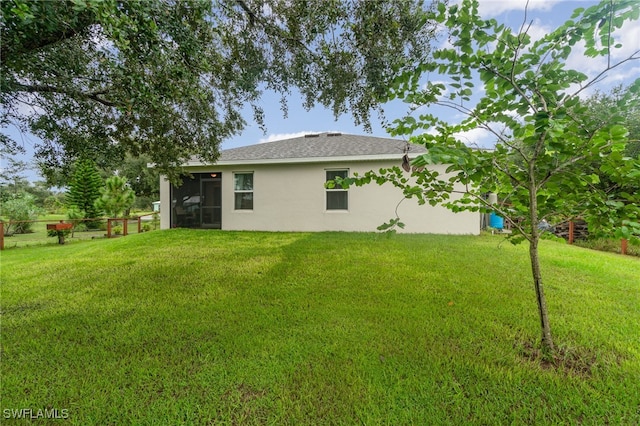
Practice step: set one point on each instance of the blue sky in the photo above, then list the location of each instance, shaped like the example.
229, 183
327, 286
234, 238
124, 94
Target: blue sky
545, 14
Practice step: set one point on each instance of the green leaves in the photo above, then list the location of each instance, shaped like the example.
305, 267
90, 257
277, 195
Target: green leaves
173, 79
84, 189
553, 159
115, 197
390, 226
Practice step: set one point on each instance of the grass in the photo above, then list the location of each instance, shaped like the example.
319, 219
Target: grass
327, 328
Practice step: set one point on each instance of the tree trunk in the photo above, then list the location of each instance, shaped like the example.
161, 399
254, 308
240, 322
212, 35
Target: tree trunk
547, 340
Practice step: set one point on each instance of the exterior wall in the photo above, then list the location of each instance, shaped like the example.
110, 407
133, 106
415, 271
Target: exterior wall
165, 203
292, 197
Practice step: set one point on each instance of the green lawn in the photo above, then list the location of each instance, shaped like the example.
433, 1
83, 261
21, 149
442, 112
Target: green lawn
209, 327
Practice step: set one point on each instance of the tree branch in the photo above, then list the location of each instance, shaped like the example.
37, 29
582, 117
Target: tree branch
513, 84
37, 88
601, 75
270, 28
45, 39
497, 209
570, 161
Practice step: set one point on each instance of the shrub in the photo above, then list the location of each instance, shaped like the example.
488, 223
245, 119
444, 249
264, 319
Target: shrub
53, 204
608, 244
20, 208
156, 220
75, 216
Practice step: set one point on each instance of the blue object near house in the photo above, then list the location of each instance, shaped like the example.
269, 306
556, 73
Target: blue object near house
495, 221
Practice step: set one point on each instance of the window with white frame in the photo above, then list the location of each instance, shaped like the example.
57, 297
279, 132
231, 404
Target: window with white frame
243, 190
337, 197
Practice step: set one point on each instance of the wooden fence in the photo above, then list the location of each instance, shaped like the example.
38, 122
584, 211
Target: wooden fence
578, 230
110, 232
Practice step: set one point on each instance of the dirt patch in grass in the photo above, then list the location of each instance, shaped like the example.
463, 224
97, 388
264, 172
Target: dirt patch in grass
575, 361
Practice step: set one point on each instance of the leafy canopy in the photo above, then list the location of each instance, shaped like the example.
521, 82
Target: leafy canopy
98, 78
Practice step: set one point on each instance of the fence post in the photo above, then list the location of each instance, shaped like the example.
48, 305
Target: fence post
1, 235
139, 224
571, 229
108, 228
623, 246
125, 223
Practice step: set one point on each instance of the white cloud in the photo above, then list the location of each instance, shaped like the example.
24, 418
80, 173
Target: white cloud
491, 8
629, 37
280, 136
477, 137
537, 30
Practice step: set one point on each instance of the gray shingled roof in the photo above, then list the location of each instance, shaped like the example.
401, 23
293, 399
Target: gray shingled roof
323, 145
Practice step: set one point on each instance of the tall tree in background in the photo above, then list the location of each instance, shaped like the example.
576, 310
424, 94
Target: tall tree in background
84, 189
115, 197
11, 170
602, 106
97, 79
551, 153
143, 180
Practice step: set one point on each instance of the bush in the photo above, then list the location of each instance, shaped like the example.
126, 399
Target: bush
54, 204
20, 208
75, 216
156, 220
143, 203
608, 244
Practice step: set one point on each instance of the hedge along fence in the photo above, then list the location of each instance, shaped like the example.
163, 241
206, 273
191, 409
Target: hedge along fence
574, 230
94, 228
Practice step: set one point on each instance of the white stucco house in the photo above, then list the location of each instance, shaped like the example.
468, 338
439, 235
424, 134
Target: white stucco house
279, 186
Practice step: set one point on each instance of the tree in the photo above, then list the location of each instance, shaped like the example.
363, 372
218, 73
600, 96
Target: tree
115, 197
44, 197
143, 180
97, 79
84, 189
19, 208
550, 153
11, 171
601, 106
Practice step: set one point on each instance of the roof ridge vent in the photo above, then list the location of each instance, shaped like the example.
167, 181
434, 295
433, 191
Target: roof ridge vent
312, 135
330, 134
